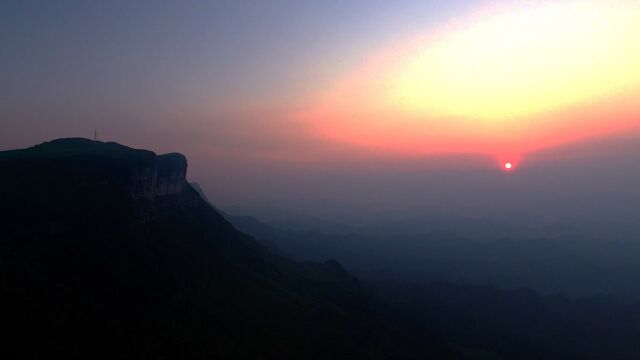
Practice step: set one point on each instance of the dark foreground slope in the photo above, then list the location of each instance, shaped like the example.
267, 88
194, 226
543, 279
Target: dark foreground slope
107, 252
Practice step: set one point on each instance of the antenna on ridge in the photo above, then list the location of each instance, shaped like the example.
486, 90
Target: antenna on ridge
95, 135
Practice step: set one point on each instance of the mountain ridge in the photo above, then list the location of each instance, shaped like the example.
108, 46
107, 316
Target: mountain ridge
90, 269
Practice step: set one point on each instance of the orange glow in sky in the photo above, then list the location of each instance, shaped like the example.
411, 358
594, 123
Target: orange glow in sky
504, 80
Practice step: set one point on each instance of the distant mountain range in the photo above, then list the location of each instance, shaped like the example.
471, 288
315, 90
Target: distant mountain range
411, 276
562, 258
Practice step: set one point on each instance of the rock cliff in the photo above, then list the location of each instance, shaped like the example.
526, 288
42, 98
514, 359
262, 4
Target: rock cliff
156, 183
164, 175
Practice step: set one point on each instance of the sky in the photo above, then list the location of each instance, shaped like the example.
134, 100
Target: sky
339, 108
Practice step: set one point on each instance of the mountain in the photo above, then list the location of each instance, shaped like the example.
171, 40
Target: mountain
108, 252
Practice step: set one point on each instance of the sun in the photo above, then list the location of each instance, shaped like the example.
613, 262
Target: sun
508, 166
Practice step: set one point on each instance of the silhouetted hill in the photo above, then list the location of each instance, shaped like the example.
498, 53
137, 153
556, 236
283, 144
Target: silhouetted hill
108, 252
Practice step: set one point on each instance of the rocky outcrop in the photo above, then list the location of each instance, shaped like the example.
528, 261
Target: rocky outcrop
155, 183
164, 175
160, 187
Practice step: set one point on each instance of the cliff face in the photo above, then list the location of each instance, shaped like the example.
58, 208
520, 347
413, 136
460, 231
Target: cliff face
164, 175
159, 186
156, 183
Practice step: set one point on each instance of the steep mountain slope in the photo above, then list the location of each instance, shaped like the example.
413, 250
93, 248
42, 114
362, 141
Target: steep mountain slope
107, 252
